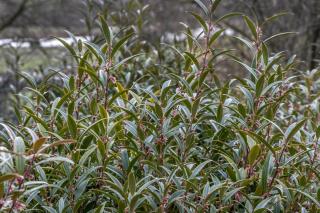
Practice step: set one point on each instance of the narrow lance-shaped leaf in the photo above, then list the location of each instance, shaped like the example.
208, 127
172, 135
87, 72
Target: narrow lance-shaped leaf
215, 36
72, 125
105, 29
125, 61
9, 131
38, 144
265, 53
260, 85
293, 129
120, 43
202, 6
274, 17
69, 47
214, 6
201, 21
279, 35
95, 50
229, 15
265, 174
19, 149
254, 154
198, 169
131, 183
10, 176
193, 58
251, 26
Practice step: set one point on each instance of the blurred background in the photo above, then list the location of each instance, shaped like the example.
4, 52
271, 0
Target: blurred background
27, 28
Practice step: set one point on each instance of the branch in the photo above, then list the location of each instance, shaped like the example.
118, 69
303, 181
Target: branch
14, 16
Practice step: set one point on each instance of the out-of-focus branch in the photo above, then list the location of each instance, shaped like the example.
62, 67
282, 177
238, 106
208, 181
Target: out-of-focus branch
14, 16
315, 35
258, 10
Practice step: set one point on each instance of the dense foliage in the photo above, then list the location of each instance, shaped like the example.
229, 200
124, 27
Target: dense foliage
138, 128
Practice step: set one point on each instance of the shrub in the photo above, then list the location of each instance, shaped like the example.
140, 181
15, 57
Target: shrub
140, 129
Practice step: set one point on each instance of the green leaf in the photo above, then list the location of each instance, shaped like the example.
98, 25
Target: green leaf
120, 43
202, 6
38, 144
125, 159
193, 58
146, 185
9, 131
233, 165
198, 169
248, 68
215, 36
293, 129
105, 29
219, 113
265, 53
176, 50
36, 117
56, 143
254, 154
86, 155
72, 125
95, 50
131, 183
229, 15
19, 148
55, 160
69, 48
251, 26
101, 147
200, 20
262, 205
10, 176
244, 41
231, 193
260, 85
195, 107
307, 195
100, 209
28, 78
278, 35
135, 202
123, 91
266, 172
214, 6
259, 139
125, 60
275, 16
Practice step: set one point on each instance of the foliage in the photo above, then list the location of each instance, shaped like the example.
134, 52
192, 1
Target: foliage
139, 128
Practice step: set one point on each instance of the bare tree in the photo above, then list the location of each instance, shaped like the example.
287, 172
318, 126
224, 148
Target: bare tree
314, 34
20, 8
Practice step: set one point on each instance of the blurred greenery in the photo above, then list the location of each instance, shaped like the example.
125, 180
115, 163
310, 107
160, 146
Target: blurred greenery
30, 59
117, 122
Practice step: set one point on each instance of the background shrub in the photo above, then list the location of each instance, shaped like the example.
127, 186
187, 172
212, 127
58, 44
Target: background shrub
134, 127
